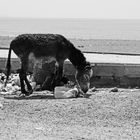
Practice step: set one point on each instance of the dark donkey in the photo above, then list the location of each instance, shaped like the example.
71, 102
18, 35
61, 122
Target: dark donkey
30, 48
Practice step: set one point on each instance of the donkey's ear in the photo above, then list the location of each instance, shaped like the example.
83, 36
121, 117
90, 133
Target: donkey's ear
88, 67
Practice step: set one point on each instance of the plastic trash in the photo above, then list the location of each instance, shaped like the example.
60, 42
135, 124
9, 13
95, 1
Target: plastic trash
59, 91
62, 92
72, 93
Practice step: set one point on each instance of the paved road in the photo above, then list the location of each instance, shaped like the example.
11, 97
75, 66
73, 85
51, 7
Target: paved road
97, 58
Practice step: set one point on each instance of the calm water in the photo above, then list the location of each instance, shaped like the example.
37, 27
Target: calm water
73, 28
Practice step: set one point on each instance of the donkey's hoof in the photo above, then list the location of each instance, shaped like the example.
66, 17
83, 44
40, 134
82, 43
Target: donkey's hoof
82, 95
28, 93
21, 95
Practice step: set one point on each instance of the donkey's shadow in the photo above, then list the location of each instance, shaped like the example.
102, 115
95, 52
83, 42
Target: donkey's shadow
31, 97
36, 97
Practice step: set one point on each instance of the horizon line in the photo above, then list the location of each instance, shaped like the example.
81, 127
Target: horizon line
67, 18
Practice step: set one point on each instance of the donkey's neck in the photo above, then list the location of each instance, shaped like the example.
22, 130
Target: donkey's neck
77, 59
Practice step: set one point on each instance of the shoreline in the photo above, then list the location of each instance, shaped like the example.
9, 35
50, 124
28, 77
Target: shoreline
93, 45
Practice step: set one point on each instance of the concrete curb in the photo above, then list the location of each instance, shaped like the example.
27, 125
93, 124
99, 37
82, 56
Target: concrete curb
105, 74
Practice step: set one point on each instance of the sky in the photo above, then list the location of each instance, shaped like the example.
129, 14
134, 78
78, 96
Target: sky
102, 9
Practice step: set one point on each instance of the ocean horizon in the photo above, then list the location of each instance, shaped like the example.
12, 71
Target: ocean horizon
73, 28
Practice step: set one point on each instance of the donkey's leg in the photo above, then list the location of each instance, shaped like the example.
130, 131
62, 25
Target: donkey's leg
58, 73
23, 91
23, 78
30, 90
47, 84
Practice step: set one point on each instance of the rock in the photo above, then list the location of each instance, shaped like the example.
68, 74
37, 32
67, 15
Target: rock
14, 79
16, 88
115, 89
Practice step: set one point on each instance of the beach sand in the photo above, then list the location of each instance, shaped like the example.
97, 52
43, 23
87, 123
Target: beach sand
104, 115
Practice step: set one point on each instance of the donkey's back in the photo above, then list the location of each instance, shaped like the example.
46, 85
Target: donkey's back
40, 45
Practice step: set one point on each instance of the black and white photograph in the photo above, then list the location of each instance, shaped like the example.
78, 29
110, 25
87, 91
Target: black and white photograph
69, 70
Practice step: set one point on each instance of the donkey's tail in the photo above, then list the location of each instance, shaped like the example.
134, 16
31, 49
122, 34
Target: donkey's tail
8, 66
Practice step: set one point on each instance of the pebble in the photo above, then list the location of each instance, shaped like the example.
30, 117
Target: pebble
93, 89
1, 105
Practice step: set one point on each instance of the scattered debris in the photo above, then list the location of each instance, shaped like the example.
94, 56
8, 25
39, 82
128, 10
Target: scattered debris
68, 90
13, 84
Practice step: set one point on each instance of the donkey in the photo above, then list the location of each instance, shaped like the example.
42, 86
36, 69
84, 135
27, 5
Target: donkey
30, 48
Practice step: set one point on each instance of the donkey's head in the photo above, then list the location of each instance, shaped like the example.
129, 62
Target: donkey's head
83, 77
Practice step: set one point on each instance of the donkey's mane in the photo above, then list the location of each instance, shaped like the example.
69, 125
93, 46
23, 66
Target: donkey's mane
77, 58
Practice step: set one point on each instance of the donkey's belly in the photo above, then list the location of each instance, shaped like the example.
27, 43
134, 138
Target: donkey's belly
34, 62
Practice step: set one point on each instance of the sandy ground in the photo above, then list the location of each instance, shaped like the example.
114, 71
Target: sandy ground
104, 115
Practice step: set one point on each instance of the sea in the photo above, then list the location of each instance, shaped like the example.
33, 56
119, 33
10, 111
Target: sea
124, 29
